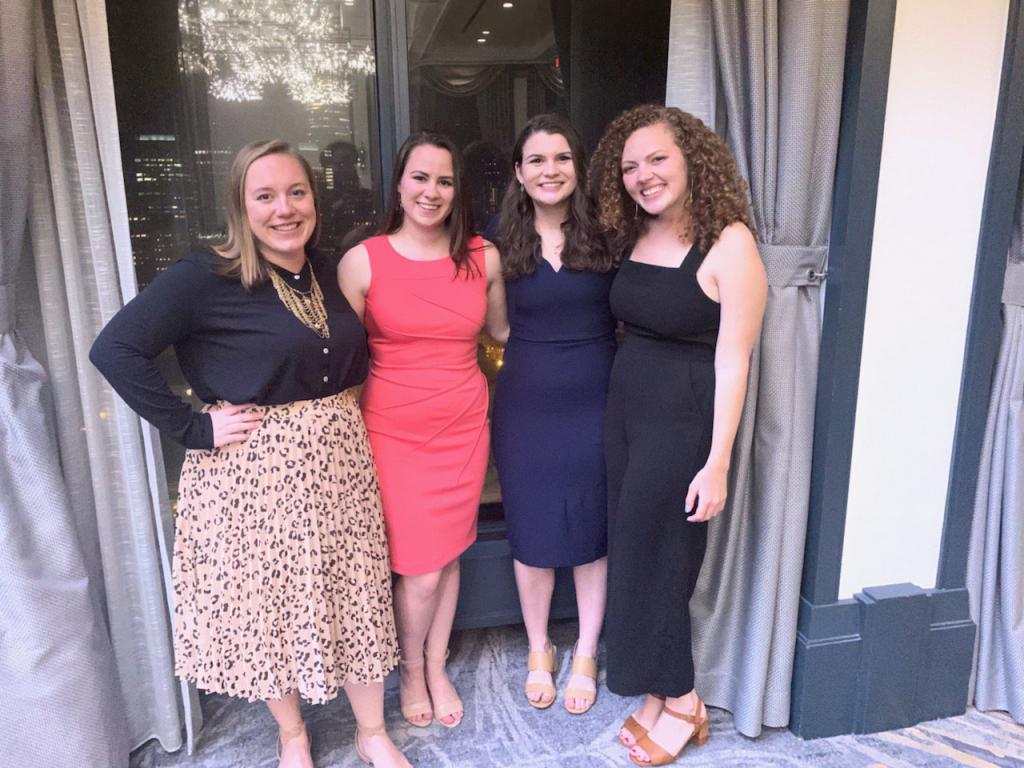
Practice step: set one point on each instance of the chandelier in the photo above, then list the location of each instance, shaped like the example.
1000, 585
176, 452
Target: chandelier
243, 46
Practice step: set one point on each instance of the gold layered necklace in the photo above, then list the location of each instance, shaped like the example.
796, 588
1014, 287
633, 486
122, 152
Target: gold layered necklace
307, 306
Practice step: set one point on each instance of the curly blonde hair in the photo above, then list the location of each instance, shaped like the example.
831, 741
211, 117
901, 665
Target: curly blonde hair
717, 194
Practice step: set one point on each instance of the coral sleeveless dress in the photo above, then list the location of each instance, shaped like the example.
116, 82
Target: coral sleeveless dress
425, 402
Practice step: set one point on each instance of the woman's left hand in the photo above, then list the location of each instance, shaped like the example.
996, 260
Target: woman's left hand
708, 491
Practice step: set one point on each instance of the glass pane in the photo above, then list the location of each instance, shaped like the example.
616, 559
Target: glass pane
195, 80
478, 72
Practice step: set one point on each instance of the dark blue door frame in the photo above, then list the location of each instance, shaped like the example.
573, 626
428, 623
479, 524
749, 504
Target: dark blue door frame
894, 655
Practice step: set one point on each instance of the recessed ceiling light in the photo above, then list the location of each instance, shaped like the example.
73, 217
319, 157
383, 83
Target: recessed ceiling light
506, 5
481, 39
486, 32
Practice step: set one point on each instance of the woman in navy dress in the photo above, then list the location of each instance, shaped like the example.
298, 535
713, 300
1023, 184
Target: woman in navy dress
550, 398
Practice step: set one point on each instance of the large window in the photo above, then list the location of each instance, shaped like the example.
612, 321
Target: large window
477, 72
195, 80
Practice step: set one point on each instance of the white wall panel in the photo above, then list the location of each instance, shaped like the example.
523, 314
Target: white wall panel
943, 88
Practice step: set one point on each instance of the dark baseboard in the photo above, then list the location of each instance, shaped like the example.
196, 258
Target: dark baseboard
487, 595
891, 657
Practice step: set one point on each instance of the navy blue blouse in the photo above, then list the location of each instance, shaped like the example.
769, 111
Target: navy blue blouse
233, 345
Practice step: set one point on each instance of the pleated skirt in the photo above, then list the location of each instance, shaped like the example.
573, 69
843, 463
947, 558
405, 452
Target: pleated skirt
281, 575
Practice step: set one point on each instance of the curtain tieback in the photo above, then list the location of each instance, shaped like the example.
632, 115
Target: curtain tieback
6, 307
793, 265
1013, 285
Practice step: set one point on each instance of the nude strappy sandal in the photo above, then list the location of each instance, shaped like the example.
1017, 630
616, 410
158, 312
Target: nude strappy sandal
586, 666
368, 733
416, 708
454, 706
542, 661
287, 734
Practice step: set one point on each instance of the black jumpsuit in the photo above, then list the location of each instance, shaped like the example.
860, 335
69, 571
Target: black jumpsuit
657, 437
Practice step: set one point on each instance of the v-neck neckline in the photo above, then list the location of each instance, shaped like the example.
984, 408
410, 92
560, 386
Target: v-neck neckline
561, 266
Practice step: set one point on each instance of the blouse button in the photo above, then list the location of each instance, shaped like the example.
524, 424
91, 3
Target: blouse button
326, 351
325, 378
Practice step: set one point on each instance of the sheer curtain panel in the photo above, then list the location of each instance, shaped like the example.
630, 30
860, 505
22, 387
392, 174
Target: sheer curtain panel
115, 678
60, 702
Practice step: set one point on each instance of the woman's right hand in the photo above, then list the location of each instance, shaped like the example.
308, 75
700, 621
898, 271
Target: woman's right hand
234, 423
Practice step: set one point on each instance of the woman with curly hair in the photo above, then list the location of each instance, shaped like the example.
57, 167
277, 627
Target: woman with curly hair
691, 293
551, 395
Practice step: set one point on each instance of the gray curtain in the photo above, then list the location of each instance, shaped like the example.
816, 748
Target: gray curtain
692, 81
60, 703
995, 570
459, 79
781, 75
105, 509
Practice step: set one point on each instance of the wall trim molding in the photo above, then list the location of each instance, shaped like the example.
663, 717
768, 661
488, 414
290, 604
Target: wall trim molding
865, 92
488, 597
890, 657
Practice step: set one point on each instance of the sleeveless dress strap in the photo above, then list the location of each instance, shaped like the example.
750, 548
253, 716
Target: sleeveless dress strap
477, 253
693, 261
381, 256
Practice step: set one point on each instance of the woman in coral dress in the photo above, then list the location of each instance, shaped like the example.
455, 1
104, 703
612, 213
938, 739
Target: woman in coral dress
425, 288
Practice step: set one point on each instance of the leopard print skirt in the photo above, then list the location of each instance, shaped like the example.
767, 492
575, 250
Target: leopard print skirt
281, 574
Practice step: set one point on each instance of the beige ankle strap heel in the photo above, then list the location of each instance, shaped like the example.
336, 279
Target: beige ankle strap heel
368, 733
285, 735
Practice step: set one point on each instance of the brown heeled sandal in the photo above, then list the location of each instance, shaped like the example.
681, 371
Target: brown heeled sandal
368, 733
542, 661
416, 708
586, 666
287, 734
454, 706
658, 754
636, 729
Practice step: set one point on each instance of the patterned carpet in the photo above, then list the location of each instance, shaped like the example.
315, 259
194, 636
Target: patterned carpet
502, 731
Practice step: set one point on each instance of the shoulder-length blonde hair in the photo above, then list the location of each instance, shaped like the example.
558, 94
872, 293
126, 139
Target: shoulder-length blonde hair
240, 250
718, 194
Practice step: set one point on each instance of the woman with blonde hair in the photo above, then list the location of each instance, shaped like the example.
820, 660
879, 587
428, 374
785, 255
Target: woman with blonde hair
425, 287
281, 580
691, 293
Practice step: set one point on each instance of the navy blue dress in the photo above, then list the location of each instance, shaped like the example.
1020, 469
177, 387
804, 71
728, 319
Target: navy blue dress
548, 418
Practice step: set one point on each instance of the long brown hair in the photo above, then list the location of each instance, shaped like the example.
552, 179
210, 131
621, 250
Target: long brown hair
240, 250
718, 193
585, 249
460, 218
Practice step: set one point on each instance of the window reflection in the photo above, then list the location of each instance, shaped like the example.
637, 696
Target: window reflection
478, 72
195, 80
